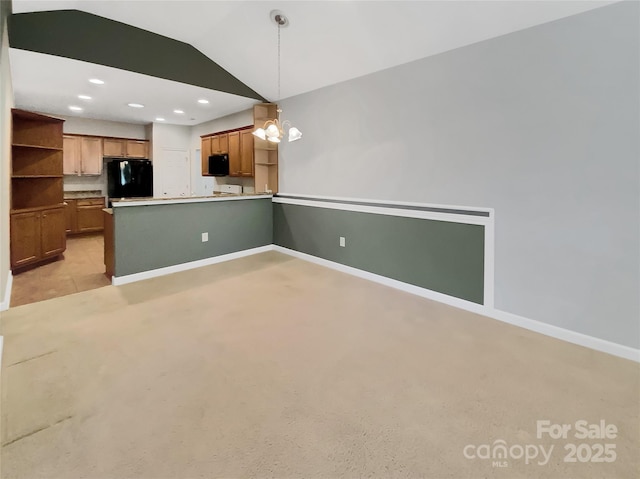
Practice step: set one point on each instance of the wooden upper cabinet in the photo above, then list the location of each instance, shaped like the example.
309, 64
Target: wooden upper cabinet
82, 155
91, 157
241, 153
114, 147
220, 143
238, 144
71, 146
205, 152
234, 153
246, 153
137, 149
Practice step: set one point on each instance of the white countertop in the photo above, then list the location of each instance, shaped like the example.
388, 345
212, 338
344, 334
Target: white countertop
119, 203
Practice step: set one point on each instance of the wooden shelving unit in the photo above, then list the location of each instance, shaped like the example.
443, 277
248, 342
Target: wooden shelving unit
265, 153
37, 215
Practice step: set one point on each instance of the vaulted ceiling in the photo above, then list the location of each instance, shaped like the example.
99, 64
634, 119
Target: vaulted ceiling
325, 43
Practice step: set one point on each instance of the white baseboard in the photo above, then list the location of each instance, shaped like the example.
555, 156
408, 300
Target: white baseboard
580, 339
4, 305
131, 278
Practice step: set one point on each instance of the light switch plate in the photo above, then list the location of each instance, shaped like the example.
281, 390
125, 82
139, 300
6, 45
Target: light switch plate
343, 241
205, 237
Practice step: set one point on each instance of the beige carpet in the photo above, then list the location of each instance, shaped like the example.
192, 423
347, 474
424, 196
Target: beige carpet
273, 367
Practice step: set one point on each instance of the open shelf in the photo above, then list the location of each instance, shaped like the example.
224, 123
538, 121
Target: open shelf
34, 192
35, 176
38, 147
37, 208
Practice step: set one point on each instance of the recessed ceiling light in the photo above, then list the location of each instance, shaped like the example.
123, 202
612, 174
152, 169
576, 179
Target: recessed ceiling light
75, 108
84, 97
159, 119
178, 111
203, 101
96, 81
135, 105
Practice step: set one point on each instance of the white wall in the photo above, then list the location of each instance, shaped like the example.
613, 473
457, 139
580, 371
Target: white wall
88, 126
6, 103
206, 185
541, 125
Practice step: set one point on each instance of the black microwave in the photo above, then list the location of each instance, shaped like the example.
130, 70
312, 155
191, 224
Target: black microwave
219, 165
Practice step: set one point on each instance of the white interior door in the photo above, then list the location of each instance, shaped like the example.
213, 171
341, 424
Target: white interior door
173, 173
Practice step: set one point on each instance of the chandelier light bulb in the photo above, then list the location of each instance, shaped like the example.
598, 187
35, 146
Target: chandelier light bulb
273, 131
294, 134
260, 133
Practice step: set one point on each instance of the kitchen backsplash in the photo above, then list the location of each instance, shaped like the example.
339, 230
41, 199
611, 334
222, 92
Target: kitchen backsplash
86, 183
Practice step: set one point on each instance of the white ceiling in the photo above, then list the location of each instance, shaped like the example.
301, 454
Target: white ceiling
327, 42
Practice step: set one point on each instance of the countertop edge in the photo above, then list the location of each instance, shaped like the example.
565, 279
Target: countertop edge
199, 199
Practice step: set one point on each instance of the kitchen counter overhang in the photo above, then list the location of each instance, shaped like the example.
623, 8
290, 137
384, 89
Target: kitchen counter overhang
123, 202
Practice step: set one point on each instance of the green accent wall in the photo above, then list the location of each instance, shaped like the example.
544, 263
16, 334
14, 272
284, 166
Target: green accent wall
94, 39
437, 255
157, 236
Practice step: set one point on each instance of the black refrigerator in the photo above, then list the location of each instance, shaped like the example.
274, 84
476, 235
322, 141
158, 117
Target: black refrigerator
129, 178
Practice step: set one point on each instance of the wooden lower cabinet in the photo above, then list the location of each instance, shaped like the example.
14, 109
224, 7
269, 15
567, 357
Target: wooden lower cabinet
70, 215
36, 236
84, 215
52, 232
25, 238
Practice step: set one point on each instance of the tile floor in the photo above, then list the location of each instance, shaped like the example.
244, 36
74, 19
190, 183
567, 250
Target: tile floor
81, 269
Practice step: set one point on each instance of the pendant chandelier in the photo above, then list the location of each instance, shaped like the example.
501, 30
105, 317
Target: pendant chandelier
274, 130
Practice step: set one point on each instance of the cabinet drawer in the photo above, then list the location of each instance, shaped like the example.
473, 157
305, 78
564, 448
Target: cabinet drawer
90, 202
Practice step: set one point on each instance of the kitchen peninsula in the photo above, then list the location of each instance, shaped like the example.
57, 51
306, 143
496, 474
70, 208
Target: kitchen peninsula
143, 235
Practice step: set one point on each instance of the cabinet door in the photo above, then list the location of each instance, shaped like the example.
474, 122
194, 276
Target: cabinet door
220, 143
91, 156
89, 217
70, 216
205, 153
112, 147
224, 143
71, 154
246, 153
137, 149
52, 232
25, 238
234, 153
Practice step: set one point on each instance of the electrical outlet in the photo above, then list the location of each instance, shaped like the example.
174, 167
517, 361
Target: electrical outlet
205, 237
343, 241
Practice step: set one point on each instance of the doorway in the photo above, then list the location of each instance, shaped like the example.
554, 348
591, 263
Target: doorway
172, 173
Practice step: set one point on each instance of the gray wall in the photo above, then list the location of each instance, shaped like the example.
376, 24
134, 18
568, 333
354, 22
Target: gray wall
437, 255
151, 237
6, 103
541, 125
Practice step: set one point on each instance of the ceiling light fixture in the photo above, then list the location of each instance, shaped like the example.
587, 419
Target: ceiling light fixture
75, 108
273, 130
179, 112
84, 97
135, 105
203, 101
96, 81
159, 119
